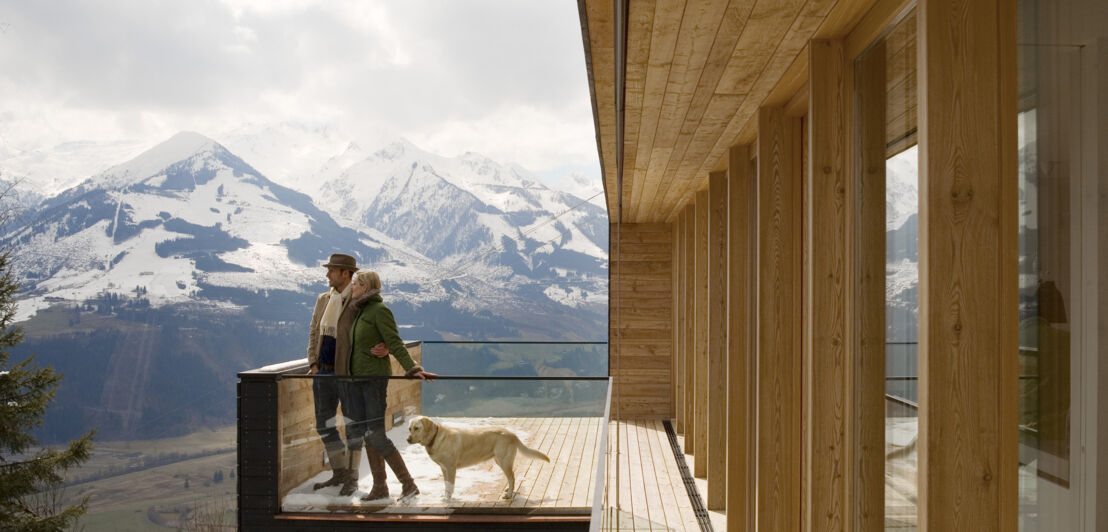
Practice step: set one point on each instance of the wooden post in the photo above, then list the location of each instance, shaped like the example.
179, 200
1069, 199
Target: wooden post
690, 329
740, 388
869, 294
717, 340
780, 325
679, 323
700, 327
828, 370
968, 446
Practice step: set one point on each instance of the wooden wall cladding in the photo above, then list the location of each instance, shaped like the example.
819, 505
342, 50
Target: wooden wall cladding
641, 318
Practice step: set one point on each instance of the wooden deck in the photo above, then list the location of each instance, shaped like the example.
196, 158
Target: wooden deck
645, 489
651, 494
562, 487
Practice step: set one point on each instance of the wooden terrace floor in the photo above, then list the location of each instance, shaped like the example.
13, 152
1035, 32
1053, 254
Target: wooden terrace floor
645, 488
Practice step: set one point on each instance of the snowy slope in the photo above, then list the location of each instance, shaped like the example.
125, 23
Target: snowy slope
188, 221
181, 216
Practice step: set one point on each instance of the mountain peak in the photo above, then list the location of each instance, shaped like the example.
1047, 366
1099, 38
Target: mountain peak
177, 148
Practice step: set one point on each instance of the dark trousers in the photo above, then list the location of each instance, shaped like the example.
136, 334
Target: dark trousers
327, 393
364, 401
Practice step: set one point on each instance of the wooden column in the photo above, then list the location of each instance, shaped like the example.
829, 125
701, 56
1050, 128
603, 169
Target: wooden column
779, 322
740, 317
968, 455
828, 371
690, 332
717, 340
700, 329
679, 323
869, 294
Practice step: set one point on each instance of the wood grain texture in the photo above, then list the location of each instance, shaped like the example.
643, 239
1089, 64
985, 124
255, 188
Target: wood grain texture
968, 280
678, 324
740, 317
601, 63
700, 327
828, 391
696, 73
690, 329
696, 36
641, 339
640, 24
869, 289
663, 39
779, 326
703, 107
717, 341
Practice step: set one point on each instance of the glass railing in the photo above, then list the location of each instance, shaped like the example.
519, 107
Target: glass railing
539, 409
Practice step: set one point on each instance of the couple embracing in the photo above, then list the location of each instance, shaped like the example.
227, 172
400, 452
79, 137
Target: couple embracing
352, 333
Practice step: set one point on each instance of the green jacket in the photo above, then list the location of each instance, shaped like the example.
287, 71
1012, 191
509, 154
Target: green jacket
374, 325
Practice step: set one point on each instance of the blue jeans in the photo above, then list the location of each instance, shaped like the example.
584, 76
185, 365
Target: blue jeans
327, 393
364, 401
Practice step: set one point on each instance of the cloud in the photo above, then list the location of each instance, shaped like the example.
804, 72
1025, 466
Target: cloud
497, 77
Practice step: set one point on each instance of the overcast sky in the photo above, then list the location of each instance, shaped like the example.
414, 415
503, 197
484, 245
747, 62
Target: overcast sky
502, 78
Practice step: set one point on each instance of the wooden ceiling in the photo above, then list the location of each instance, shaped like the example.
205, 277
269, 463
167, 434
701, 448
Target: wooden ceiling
696, 74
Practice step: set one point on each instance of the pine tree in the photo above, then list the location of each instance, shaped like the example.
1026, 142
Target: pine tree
30, 479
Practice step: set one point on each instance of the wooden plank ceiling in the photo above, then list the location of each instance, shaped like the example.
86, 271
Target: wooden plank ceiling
696, 73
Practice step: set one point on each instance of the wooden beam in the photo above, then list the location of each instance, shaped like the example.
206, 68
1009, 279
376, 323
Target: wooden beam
717, 340
690, 328
602, 62
640, 23
740, 317
968, 447
779, 355
828, 397
700, 395
869, 293
679, 323
667, 22
880, 17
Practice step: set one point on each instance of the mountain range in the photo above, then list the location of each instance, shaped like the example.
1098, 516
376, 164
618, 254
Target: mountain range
190, 221
187, 263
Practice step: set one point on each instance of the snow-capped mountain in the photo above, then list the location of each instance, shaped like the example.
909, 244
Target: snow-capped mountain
466, 209
188, 221
184, 216
901, 188
185, 264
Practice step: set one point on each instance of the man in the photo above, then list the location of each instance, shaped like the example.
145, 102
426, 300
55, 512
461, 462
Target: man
329, 354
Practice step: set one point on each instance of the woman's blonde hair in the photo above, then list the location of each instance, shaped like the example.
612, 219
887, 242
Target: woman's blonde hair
368, 279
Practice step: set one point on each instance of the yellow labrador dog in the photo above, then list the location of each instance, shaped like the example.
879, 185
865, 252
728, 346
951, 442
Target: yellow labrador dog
454, 447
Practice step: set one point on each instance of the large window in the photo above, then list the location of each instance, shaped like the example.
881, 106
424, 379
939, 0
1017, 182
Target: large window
1062, 252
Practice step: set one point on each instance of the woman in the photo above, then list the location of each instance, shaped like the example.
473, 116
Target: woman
366, 398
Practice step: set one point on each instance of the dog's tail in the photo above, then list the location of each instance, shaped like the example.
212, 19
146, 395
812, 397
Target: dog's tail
532, 453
